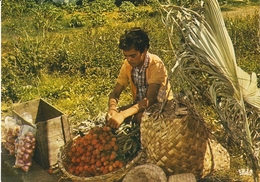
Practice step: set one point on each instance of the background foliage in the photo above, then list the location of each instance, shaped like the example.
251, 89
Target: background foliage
68, 53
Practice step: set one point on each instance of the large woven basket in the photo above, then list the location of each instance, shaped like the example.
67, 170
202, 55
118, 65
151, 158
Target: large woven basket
176, 143
111, 177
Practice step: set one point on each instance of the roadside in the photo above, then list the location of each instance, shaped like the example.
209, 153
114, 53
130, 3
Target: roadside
240, 11
38, 173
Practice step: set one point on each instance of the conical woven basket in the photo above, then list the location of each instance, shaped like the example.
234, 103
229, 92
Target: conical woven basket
176, 143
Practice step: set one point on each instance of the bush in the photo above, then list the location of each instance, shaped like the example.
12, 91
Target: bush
70, 55
244, 32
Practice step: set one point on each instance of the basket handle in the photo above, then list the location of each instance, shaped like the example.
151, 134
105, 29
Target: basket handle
165, 100
178, 110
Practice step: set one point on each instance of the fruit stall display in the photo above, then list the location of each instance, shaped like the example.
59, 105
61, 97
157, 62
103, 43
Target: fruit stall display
101, 153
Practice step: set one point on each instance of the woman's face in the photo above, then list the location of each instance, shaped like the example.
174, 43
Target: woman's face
135, 58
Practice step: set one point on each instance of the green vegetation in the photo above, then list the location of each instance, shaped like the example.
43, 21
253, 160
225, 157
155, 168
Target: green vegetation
68, 54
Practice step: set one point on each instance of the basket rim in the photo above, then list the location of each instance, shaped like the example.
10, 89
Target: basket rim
122, 171
153, 169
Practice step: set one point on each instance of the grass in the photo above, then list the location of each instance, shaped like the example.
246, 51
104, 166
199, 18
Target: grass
69, 56
74, 58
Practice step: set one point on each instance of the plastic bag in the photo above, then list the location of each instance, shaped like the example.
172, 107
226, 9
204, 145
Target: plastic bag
27, 117
11, 132
24, 147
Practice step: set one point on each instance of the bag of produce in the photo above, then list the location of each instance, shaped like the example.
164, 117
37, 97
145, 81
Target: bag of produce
24, 147
11, 131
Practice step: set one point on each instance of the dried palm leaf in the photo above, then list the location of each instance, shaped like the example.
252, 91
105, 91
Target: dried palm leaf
209, 53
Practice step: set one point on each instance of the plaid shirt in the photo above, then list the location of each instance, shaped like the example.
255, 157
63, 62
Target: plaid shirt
139, 78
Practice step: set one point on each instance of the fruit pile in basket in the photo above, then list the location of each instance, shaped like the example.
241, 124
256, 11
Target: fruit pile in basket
97, 153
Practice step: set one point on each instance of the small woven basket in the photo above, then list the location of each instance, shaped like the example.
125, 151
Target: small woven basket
145, 172
187, 177
176, 143
216, 157
113, 176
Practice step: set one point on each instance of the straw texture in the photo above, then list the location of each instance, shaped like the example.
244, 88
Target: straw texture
187, 177
145, 172
175, 143
216, 157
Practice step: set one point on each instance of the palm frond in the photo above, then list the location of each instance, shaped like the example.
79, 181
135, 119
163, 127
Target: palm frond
209, 50
248, 85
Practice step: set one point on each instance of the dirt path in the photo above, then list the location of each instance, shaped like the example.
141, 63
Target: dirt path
241, 12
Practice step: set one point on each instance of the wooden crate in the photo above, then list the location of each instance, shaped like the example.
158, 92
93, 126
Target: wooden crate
53, 129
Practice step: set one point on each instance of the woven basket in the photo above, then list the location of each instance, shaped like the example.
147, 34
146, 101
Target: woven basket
176, 143
113, 176
216, 157
145, 172
187, 177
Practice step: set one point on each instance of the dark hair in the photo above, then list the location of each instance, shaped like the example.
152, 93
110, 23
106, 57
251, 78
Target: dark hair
135, 38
